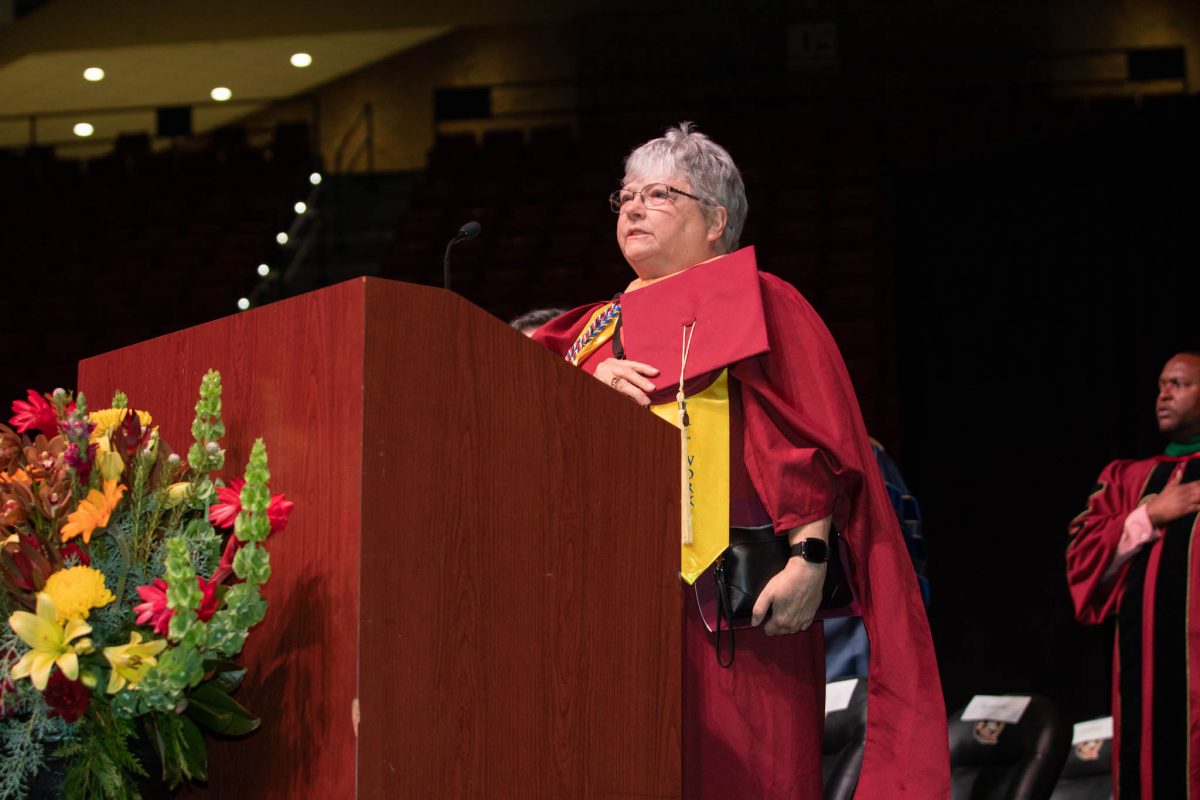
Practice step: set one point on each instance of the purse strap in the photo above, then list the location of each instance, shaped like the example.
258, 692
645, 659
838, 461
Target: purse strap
723, 615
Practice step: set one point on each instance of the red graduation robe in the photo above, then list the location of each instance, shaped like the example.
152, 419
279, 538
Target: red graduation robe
1156, 672
799, 452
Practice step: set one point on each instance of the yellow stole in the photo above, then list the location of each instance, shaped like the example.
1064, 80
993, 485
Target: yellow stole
704, 468
706, 455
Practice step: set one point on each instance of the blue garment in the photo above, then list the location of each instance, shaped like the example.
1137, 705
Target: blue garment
846, 647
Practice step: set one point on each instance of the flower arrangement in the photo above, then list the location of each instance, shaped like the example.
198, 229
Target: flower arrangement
130, 580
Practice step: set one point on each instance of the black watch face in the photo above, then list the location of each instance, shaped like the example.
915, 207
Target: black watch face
816, 551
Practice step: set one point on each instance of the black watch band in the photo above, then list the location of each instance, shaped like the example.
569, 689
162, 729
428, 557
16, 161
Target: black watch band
814, 551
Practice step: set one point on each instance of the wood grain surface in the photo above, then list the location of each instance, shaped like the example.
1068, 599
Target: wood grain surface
484, 552
520, 562
291, 373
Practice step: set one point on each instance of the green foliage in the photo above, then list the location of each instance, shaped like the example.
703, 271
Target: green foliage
187, 692
252, 564
140, 498
210, 706
203, 545
225, 636
205, 455
253, 524
99, 764
245, 604
120, 399
24, 754
111, 623
180, 744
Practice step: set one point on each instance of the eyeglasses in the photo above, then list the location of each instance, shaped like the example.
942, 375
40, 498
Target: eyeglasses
653, 195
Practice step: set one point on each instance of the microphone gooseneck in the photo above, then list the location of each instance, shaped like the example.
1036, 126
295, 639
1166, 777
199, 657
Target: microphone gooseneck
467, 232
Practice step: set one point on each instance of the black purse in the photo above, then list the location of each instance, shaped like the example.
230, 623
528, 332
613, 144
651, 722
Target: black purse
753, 558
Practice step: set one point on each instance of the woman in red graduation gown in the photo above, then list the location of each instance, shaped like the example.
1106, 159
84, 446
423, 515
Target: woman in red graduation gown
800, 461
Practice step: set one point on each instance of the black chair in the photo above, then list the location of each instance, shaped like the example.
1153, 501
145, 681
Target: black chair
842, 750
992, 760
1087, 774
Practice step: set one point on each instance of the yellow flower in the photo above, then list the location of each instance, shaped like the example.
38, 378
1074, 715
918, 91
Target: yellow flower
130, 662
93, 512
50, 643
110, 464
109, 419
76, 591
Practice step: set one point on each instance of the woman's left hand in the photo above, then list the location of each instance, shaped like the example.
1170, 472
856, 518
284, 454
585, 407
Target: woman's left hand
793, 597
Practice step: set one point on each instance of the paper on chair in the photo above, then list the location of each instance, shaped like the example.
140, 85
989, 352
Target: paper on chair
999, 708
1093, 729
837, 695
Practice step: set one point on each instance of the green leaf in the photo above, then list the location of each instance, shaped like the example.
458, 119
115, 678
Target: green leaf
195, 750
218, 712
227, 675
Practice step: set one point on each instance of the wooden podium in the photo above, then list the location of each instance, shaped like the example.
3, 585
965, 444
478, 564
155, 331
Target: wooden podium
481, 566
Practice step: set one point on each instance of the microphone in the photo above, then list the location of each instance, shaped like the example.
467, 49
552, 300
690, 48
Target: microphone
465, 233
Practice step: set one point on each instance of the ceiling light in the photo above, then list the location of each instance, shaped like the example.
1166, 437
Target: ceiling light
93, 74
243, 303
315, 178
221, 94
300, 207
264, 270
281, 237
84, 129
301, 60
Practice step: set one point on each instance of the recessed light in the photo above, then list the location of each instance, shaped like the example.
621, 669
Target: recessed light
93, 74
315, 179
300, 207
301, 60
264, 270
84, 129
221, 94
281, 237
243, 303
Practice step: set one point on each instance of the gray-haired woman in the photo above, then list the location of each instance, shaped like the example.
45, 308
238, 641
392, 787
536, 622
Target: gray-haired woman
799, 460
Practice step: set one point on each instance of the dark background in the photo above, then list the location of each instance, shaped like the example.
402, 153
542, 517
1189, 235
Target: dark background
1040, 287
1003, 244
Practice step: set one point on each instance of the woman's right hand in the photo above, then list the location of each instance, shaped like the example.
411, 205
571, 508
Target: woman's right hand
630, 378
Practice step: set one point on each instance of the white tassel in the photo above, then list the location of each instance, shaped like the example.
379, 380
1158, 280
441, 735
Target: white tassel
685, 500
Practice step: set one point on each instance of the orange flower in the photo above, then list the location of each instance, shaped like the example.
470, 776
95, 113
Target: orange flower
20, 476
93, 512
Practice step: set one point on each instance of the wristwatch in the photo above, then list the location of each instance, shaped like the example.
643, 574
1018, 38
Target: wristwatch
814, 551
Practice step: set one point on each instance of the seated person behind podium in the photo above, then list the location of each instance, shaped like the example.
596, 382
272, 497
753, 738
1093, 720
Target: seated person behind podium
800, 461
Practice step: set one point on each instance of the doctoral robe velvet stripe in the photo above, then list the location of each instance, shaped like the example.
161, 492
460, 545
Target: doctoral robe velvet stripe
1158, 629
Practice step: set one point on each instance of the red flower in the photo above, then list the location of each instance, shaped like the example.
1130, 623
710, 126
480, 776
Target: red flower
223, 513
73, 549
130, 435
67, 698
208, 599
24, 563
228, 505
37, 413
154, 612
82, 464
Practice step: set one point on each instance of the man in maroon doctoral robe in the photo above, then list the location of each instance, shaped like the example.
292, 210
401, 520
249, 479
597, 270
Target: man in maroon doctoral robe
1131, 555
